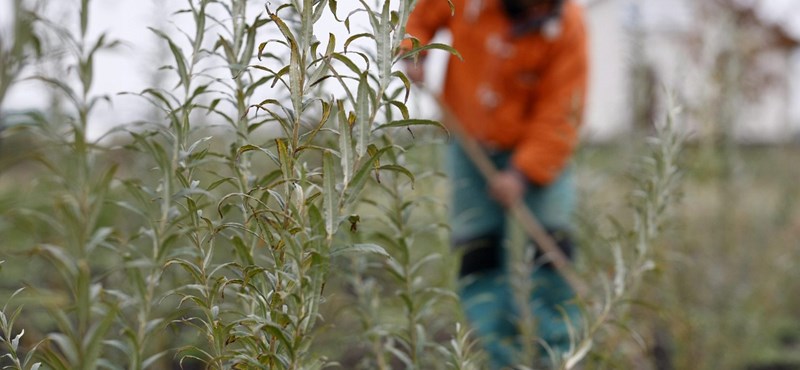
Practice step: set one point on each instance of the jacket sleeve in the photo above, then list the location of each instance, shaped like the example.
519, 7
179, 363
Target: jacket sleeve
428, 17
559, 98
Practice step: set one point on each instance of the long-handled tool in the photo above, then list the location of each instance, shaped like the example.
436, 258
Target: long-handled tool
530, 224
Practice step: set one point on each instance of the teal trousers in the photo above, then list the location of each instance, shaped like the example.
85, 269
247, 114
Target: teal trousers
486, 295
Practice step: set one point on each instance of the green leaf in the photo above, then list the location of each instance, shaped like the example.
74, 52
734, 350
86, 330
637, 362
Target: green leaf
246, 55
246, 148
411, 122
406, 83
360, 178
286, 162
5, 306
402, 18
415, 268
306, 24
296, 75
436, 46
98, 238
93, 341
63, 261
319, 11
376, 164
188, 266
330, 194
398, 169
347, 62
276, 332
261, 48
363, 119
363, 248
15, 340
242, 250
226, 46
177, 53
160, 96
84, 17
67, 347
333, 5
152, 359
401, 107
327, 108
356, 37
256, 85
383, 43
579, 354
345, 143
324, 63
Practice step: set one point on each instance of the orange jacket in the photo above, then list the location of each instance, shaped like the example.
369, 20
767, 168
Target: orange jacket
525, 94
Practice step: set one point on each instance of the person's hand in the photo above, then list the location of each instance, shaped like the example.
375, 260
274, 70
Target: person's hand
415, 70
507, 187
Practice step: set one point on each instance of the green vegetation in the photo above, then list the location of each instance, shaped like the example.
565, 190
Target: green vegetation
307, 230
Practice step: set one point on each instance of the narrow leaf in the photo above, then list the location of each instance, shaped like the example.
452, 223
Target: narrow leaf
579, 355
330, 194
177, 53
362, 116
363, 248
345, 143
411, 122
432, 46
296, 74
383, 42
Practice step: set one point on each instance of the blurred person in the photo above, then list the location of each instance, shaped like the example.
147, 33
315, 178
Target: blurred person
519, 92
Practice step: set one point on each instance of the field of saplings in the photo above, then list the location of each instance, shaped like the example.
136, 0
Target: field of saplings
279, 206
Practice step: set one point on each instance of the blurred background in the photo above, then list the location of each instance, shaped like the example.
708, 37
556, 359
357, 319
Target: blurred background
739, 53
726, 292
